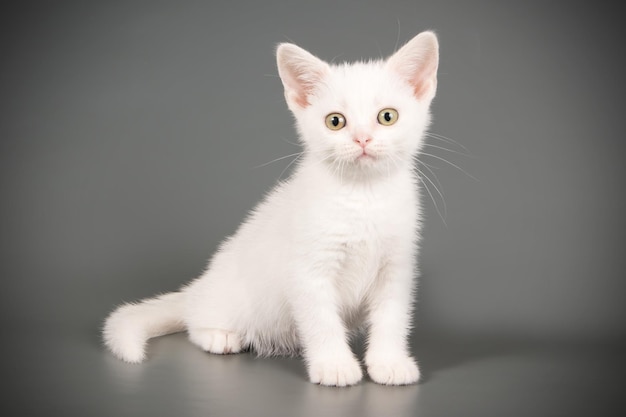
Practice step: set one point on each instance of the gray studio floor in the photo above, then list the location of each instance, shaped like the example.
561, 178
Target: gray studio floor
67, 372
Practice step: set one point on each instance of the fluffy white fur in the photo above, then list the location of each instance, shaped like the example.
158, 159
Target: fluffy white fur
329, 251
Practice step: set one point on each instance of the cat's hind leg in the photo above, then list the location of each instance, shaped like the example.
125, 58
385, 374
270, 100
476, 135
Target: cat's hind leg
212, 322
216, 307
216, 341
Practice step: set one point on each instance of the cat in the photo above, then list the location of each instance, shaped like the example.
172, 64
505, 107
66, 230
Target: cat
330, 251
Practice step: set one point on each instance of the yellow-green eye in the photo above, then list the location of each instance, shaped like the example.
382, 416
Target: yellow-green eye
387, 117
335, 121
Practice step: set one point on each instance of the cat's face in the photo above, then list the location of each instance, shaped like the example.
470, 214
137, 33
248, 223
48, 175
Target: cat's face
364, 118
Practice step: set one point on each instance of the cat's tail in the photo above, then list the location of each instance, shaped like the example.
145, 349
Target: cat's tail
128, 328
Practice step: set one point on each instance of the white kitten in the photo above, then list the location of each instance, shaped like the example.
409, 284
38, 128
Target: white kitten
328, 251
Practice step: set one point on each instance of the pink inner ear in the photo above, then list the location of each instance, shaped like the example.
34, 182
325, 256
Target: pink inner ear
300, 72
301, 100
425, 82
421, 75
417, 62
305, 85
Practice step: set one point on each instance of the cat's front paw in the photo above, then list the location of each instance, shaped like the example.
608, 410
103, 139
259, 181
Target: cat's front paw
336, 373
393, 371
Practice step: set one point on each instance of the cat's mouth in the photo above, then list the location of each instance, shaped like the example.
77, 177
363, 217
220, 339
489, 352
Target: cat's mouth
362, 158
365, 156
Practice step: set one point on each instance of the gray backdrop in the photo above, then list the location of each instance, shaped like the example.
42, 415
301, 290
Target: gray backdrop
131, 135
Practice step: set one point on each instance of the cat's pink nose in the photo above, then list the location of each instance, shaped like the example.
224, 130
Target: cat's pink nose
362, 141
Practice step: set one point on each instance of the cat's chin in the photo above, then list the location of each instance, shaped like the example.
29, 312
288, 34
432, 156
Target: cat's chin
369, 166
366, 161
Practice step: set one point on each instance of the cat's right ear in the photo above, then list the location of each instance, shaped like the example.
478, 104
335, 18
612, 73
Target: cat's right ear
300, 72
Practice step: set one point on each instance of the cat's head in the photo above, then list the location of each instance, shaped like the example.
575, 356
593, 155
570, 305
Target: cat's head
366, 117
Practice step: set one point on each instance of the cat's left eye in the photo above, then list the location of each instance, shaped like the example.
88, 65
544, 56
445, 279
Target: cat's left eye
387, 117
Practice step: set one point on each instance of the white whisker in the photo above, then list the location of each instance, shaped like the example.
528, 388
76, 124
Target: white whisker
448, 140
393, 159
433, 200
432, 172
327, 157
447, 149
290, 164
395, 47
335, 165
343, 161
278, 159
425, 164
443, 200
290, 142
452, 164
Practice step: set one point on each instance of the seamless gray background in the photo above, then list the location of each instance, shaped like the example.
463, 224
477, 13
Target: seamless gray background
131, 139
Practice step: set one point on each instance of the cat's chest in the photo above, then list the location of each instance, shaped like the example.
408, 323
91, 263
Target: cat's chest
357, 216
359, 221
350, 234
360, 231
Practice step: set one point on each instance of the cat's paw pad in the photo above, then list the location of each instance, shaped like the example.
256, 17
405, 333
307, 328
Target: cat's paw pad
336, 373
398, 371
216, 341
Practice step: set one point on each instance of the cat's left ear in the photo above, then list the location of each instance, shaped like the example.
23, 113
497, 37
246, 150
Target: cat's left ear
300, 72
416, 62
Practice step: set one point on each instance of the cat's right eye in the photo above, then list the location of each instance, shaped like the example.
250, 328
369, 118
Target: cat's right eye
335, 121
